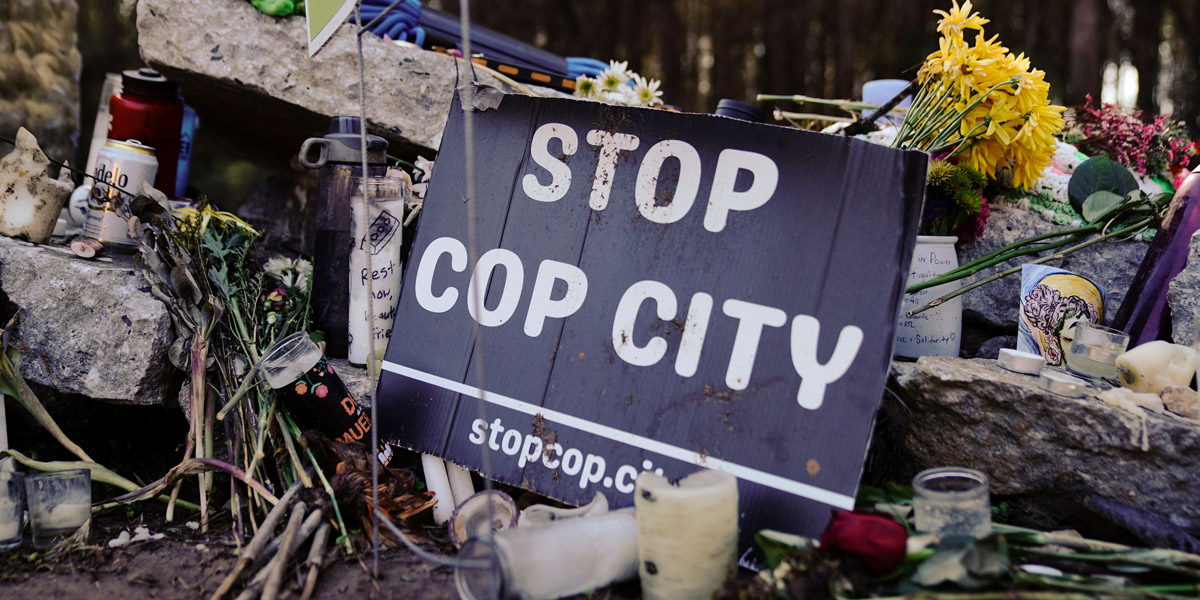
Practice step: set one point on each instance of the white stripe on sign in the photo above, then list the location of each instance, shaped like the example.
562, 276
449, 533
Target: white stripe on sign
772, 481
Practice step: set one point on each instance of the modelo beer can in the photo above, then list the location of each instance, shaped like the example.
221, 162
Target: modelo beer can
121, 169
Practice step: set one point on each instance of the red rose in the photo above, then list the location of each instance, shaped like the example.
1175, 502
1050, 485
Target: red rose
875, 538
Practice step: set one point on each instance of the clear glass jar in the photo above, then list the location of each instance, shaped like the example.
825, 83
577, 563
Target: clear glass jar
950, 501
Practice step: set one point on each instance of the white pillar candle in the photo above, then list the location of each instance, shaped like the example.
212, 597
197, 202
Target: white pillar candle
438, 482
687, 534
5, 463
460, 482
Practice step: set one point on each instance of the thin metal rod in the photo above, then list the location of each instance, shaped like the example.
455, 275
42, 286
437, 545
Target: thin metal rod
80, 172
372, 22
359, 233
467, 99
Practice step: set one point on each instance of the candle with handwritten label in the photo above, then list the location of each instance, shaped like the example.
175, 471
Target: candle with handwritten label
934, 332
378, 276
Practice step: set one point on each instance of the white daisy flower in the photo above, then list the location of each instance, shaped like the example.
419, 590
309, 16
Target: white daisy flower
279, 265
646, 93
304, 270
612, 78
292, 273
620, 69
616, 96
424, 168
629, 96
585, 87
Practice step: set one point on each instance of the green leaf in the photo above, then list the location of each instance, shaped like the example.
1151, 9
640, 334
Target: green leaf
777, 545
971, 565
1096, 174
1099, 203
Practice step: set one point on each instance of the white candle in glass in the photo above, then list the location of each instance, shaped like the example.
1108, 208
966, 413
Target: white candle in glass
378, 275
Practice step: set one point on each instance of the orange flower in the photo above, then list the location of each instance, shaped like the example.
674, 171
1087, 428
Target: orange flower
301, 388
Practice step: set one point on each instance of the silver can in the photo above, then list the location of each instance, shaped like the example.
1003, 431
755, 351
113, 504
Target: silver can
121, 169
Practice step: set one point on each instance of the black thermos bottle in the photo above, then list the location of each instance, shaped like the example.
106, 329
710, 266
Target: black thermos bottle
339, 157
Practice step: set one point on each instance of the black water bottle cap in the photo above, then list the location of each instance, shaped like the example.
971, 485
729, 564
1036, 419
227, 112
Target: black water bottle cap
147, 80
728, 107
343, 124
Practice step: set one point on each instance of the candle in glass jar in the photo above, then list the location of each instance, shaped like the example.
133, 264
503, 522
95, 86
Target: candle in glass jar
375, 263
952, 501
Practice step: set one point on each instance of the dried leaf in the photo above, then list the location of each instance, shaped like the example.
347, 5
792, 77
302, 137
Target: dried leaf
149, 207
186, 285
178, 352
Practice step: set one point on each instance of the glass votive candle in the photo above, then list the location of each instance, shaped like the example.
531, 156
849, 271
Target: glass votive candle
60, 504
1094, 351
12, 509
316, 396
952, 501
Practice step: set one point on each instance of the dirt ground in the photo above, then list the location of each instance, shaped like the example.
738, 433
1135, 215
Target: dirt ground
143, 443
189, 564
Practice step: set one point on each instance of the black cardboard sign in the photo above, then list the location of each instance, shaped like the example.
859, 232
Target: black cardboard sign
663, 291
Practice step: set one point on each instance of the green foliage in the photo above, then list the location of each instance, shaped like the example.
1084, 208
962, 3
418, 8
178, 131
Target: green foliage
777, 545
1096, 174
960, 183
953, 198
971, 565
278, 8
1099, 203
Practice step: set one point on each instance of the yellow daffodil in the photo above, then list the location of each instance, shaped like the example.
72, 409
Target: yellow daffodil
982, 103
954, 22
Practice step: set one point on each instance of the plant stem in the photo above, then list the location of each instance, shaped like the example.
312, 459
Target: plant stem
261, 436
199, 367
1067, 541
26, 398
248, 380
1113, 558
1005, 595
846, 105
919, 130
961, 272
1000, 251
1095, 590
99, 474
291, 448
962, 290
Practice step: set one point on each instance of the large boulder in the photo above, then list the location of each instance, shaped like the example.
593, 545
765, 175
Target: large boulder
994, 307
87, 327
1183, 297
249, 75
39, 73
975, 414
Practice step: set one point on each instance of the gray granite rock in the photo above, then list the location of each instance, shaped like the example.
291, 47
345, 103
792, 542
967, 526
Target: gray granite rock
39, 71
991, 348
88, 327
284, 209
249, 75
975, 414
1183, 297
995, 305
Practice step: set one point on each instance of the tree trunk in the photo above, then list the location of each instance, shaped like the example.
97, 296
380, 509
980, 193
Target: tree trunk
1087, 35
1147, 31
